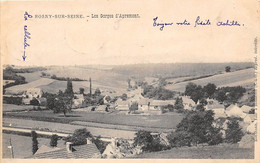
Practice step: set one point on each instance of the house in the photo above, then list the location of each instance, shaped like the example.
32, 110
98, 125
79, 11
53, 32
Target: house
33, 93
103, 108
219, 113
42, 101
122, 105
69, 152
157, 104
252, 128
213, 104
120, 148
235, 111
188, 103
78, 101
249, 118
246, 108
144, 104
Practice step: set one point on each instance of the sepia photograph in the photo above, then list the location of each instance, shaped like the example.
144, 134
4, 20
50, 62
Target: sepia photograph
111, 80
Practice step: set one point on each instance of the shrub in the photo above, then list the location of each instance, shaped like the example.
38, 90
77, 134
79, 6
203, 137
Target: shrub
34, 102
133, 107
34, 142
12, 100
54, 140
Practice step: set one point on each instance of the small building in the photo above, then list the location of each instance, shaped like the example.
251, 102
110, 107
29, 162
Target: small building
188, 103
122, 105
219, 113
69, 152
157, 104
78, 101
33, 93
144, 104
246, 108
103, 108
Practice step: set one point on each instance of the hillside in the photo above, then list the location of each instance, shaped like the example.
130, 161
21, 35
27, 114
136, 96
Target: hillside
244, 78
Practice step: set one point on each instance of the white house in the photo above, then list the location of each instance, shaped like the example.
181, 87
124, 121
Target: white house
33, 93
235, 111
188, 103
246, 108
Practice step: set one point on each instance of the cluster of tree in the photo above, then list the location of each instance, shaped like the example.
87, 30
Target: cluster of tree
29, 70
227, 94
196, 128
80, 137
63, 78
157, 93
12, 100
10, 74
95, 99
148, 142
34, 102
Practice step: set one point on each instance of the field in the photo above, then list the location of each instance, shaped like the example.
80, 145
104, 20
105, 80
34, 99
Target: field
242, 77
65, 128
14, 108
165, 121
22, 145
207, 152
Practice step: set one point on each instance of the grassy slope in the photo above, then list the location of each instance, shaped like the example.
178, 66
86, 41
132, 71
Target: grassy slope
242, 77
208, 152
22, 145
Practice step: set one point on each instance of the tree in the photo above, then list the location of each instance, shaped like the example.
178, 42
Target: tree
133, 107
129, 83
124, 96
63, 103
210, 89
90, 87
34, 102
144, 139
54, 140
234, 131
79, 137
178, 105
69, 90
108, 98
34, 142
200, 107
190, 88
97, 92
196, 128
50, 101
81, 90
227, 68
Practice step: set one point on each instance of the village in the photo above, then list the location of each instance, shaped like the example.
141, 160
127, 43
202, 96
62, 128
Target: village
98, 123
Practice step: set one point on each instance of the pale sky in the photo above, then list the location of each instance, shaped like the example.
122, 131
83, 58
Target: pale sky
128, 41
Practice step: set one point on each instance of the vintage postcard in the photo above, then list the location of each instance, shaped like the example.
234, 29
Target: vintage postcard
133, 80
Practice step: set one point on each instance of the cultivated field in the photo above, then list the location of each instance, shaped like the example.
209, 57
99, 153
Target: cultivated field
242, 77
165, 121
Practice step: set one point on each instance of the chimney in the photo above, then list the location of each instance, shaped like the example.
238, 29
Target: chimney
69, 147
89, 141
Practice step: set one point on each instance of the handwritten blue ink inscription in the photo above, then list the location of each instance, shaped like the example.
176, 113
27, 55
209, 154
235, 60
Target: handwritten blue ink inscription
198, 22
161, 25
27, 35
